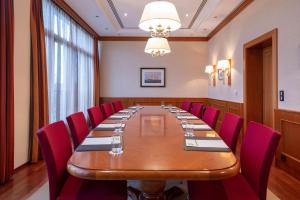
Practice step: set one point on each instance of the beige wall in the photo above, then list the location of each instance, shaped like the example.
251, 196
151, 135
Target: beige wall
21, 80
260, 17
185, 77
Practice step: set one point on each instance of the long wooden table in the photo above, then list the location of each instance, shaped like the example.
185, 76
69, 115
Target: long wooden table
153, 153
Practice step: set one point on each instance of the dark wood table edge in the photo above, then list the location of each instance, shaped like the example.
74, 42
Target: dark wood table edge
92, 174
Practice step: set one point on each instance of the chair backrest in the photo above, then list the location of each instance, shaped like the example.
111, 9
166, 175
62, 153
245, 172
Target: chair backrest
56, 149
230, 129
117, 106
186, 106
78, 127
257, 153
107, 109
96, 116
211, 116
197, 109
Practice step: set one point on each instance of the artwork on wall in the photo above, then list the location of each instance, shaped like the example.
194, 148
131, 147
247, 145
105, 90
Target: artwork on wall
152, 77
220, 74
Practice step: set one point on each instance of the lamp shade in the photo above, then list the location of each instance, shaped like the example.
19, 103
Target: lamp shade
209, 69
223, 64
160, 15
157, 46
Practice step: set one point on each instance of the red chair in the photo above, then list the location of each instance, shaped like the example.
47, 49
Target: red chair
211, 116
186, 106
197, 109
56, 149
257, 152
96, 116
117, 105
230, 129
107, 109
78, 127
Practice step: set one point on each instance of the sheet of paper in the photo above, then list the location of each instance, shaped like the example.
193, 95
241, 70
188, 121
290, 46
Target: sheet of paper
190, 143
126, 111
211, 143
110, 125
180, 111
97, 141
197, 126
119, 116
187, 117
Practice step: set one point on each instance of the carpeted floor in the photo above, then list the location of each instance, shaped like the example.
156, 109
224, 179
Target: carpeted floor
43, 191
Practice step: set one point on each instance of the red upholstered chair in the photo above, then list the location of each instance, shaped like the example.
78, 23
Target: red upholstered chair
78, 127
56, 149
230, 129
96, 116
257, 152
186, 106
197, 109
211, 116
117, 106
107, 109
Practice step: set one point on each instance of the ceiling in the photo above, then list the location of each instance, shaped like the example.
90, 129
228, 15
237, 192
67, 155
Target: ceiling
121, 17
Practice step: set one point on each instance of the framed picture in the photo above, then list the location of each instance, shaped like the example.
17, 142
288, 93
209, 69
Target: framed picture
220, 74
153, 77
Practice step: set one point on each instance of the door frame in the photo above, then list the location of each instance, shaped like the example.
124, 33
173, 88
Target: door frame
273, 35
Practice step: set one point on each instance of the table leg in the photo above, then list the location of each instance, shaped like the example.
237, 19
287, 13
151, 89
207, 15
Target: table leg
154, 190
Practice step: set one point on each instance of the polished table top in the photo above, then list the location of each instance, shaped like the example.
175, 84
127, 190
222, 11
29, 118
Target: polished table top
154, 150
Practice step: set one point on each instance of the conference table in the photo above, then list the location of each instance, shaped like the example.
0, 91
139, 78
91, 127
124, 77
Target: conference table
153, 144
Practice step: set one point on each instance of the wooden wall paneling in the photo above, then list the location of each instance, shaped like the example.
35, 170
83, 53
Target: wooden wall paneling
130, 101
288, 154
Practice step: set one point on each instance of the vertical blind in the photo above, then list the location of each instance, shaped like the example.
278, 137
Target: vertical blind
70, 64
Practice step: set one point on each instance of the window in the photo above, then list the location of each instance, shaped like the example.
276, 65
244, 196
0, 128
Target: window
70, 64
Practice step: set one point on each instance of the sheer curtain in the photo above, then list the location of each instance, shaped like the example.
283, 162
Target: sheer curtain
70, 64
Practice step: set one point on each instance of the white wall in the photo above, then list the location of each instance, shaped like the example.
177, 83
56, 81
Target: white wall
260, 17
121, 62
21, 80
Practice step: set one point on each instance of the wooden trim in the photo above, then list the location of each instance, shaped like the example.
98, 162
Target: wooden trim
66, 8
230, 17
287, 122
132, 38
259, 41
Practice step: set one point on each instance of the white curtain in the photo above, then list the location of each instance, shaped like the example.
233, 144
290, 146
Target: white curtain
70, 65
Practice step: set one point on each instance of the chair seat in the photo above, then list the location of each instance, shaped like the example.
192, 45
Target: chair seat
81, 189
235, 188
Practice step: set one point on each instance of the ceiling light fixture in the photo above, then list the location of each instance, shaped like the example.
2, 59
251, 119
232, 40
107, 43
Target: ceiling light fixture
157, 46
125, 14
160, 18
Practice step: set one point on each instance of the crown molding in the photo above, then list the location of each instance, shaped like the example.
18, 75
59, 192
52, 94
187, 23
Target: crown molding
230, 17
132, 38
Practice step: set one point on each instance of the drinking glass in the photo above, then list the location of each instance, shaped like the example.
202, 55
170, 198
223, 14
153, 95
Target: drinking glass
116, 143
189, 131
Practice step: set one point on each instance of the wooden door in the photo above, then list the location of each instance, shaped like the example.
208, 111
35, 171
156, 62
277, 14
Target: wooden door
268, 109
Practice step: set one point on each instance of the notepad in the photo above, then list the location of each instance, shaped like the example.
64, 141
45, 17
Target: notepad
127, 111
119, 116
118, 125
206, 144
180, 111
97, 141
187, 117
200, 127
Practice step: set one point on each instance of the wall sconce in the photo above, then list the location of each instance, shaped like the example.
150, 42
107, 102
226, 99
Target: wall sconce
210, 70
224, 68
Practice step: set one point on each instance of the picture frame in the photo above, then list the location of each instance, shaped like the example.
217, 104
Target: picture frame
220, 74
153, 77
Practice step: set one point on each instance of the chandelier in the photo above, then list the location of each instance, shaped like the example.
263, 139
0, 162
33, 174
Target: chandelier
160, 18
157, 46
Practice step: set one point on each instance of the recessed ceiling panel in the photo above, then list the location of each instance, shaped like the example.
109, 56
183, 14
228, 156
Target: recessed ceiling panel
129, 12
121, 17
